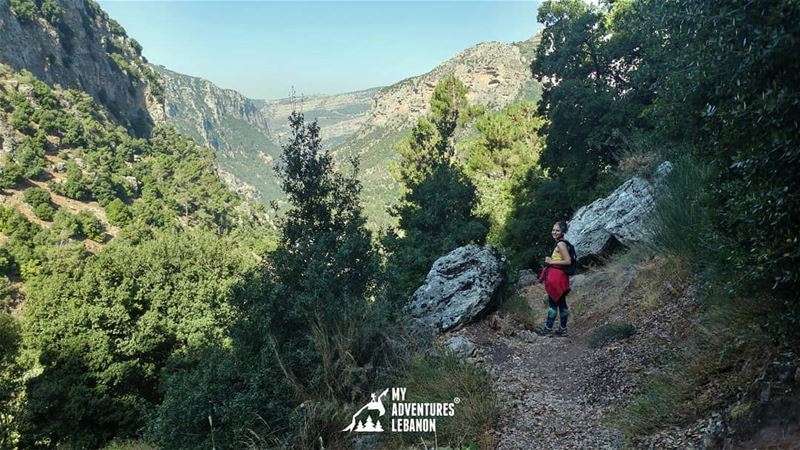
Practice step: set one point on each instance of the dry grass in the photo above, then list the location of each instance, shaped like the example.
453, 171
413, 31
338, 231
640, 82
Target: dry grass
518, 307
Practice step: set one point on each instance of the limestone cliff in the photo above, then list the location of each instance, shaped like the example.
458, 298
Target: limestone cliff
339, 116
231, 124
78, 46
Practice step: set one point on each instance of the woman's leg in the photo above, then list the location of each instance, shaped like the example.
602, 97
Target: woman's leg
563, 311
552, 311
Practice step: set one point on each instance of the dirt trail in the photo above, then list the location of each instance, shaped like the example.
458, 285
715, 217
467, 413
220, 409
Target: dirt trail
553, 392
559, 392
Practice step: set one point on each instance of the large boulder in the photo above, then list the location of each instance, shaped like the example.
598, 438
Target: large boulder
460, 287
615, 221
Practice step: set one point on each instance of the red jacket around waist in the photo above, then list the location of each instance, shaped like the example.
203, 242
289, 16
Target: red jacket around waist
556, 282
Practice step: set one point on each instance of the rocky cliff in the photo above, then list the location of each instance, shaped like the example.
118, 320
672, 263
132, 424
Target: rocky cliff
73, 43
231, 124
496, 73
340, 116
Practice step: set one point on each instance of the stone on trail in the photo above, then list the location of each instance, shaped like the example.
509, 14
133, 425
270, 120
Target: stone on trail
462, 347
460, 287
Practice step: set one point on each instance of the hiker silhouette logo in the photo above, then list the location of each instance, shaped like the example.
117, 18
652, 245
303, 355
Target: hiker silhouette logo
405, 416
369, 426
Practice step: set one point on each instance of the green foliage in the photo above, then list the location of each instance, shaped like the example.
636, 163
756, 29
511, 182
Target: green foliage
118, 213
105, 327
590, 97
35, 196
51, 11
10, 173
10, 386
24, 10
44, 211
680, 224
302, 335
65, 226
538, 203
90, 226
435, 213
441, 378
29, 155
499, 158
75, 186
436, 218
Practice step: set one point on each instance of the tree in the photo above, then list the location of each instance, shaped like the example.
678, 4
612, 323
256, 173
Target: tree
435, 213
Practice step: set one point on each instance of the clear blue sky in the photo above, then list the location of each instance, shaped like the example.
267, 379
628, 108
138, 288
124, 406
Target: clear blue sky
264, 48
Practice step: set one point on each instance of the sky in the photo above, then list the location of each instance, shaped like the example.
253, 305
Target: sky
264, 49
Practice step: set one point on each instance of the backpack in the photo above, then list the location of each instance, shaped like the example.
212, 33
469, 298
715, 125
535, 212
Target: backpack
573, 266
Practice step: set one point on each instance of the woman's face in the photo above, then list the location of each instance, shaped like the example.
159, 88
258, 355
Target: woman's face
557, 233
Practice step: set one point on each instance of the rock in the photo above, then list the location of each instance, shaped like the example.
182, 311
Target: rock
608, 223
526, 278
460, 287
662, 171
60, 166
134, 183
462, 347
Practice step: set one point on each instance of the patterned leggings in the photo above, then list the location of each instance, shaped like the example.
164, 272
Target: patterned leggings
554, 308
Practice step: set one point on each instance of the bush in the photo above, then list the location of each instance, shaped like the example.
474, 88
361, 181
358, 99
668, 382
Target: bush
443, 378
118, 213
65, 225
10, 173
91, 227
44, 211
25, 10
36, 196
680, 223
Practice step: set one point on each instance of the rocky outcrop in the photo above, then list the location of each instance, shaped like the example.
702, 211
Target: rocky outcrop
82, 48
495, 73
460, 287
615, 221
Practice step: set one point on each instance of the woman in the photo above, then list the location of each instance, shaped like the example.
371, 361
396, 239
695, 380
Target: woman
556, 282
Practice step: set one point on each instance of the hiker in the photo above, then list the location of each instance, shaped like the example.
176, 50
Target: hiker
555, 277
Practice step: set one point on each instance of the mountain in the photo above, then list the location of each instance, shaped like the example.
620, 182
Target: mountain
73, 43
340, 116
246, 133
497, 75
231, 124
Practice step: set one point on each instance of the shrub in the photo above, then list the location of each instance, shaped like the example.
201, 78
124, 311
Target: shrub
91, 227
442, 378
36, 196
10, 173
118, 213
65, 225
44, 211
25, 10
680, 223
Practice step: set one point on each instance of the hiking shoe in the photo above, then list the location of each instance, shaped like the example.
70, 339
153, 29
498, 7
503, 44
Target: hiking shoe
543, 331
561, 332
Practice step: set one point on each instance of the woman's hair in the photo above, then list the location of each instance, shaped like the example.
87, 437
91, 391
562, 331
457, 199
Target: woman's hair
562, 225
